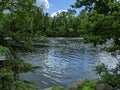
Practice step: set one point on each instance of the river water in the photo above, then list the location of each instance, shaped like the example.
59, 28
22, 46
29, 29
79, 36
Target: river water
63, 61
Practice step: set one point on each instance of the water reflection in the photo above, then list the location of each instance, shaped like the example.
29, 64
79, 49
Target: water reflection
64, 61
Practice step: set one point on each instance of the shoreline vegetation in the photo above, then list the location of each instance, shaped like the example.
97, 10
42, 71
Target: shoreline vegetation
23, 20
95, 84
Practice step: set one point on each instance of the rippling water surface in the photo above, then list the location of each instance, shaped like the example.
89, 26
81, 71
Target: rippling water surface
63, 61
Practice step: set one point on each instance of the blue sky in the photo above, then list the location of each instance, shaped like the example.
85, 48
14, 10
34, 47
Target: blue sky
52, 6
56, 5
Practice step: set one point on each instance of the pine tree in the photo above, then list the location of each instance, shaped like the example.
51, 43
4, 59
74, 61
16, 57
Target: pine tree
17, 29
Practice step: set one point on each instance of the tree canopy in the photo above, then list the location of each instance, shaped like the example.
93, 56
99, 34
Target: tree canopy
101, 20
17, 29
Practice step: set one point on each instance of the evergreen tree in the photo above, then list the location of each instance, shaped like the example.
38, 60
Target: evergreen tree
17, 29
97, 25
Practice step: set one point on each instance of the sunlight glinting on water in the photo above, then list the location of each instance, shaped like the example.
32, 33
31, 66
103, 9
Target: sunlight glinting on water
65, 61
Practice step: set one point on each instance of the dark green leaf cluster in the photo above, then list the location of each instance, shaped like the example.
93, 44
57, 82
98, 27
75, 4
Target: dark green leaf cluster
10, 68
111, 77
87, 85
18, 22
101, 23
57, 88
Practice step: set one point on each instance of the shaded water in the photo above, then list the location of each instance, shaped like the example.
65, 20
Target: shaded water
63, 61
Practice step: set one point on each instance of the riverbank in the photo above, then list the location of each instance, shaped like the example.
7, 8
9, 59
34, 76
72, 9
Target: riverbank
98, 85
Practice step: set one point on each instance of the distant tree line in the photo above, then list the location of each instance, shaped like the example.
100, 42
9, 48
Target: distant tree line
97, 22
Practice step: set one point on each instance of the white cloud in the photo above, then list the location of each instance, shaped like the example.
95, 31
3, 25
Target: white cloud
57, 12
44, 4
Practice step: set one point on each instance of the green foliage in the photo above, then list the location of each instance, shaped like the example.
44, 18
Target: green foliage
9, 70
22, 85
5, 72
57, 88
111, 77
87, 85
11, 84
17, 29
61, 25
9, 81
19, 66
101, 6
113, 48
20, 24
100, 21
98, 25
4, 52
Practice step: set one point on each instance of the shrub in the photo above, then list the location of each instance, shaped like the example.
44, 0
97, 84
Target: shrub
87, 85
57, 88
111, 77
